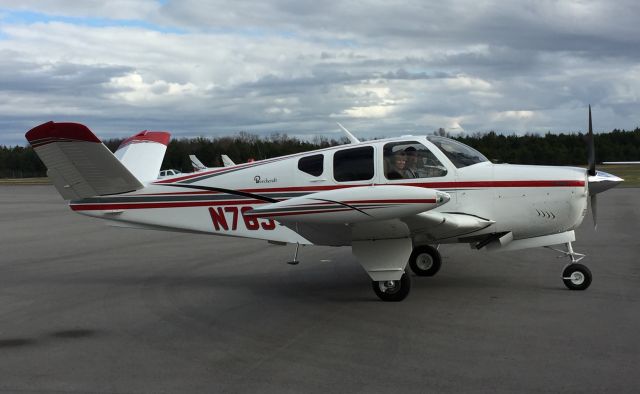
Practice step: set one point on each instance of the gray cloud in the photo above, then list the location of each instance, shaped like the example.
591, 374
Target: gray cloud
380, 68
55, 78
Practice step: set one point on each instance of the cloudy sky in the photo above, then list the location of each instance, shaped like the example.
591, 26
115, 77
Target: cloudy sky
381, 68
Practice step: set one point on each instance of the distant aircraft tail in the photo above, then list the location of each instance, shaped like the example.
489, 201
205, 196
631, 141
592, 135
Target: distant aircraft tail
78, 163
143, 153
226, 161
196, 164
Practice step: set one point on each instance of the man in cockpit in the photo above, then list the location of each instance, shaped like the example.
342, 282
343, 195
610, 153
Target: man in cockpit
411, 170
397, 166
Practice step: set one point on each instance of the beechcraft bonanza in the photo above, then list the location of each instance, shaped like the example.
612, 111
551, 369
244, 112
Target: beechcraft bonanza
391, 200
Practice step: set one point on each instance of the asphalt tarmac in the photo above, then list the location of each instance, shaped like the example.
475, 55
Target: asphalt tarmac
89, 308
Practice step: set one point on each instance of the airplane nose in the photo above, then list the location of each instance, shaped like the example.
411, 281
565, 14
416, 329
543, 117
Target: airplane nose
442, 198
602, 181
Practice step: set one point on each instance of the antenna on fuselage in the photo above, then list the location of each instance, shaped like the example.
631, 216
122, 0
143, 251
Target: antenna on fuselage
350, 136
295, 260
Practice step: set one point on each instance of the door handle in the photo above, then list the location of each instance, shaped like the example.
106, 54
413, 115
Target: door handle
318, 180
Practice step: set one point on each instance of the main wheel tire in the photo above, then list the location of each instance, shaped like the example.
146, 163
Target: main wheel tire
393, 290
576, 276
425, 260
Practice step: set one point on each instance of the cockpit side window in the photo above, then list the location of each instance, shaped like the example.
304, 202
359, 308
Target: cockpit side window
410, 160
355, 164
460, 154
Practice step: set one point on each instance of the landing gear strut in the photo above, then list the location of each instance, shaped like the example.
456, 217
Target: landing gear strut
425, 260
393, 290
575, 276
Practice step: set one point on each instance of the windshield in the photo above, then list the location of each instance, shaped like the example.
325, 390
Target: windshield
460, 154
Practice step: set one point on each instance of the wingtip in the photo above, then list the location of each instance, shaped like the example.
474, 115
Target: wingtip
160, 137
52, 132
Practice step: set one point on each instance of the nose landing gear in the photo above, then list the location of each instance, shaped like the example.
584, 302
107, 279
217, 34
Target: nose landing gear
575, 276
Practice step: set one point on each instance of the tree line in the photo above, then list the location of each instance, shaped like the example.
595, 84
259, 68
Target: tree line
556, 149
550, 149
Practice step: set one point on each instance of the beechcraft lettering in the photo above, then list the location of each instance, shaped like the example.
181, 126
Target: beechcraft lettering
259, 179
393, 201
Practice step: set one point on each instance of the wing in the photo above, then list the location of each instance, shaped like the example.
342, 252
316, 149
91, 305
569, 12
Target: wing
338, 216
380, 223
353, 205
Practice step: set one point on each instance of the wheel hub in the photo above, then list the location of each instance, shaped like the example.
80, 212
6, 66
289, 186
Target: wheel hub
389, 286
424, 261
577, 278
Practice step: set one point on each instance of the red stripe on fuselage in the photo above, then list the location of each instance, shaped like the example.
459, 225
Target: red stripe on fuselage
435, 185
432, 185
152, 205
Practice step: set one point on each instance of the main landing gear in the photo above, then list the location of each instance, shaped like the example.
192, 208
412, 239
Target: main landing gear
393, 290
425, 260
575, 276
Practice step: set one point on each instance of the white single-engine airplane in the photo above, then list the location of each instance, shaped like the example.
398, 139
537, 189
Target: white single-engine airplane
390, 200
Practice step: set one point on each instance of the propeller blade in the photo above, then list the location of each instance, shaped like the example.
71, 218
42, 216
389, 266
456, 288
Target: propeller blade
591, 171
591, 148
594, 210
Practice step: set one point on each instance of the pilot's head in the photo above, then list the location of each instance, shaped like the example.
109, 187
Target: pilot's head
399, 160
412, 156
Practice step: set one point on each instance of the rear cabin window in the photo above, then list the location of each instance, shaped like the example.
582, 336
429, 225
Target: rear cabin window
354, 164
312, 165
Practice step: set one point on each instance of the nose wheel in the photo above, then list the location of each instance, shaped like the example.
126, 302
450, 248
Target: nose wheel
576, 276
